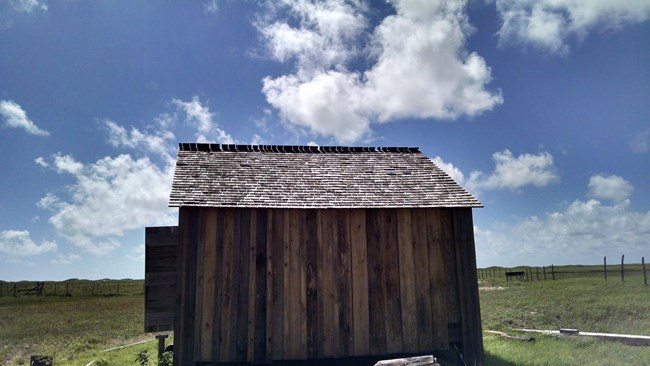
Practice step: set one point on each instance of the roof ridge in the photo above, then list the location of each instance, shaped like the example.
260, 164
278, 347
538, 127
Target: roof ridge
293, 148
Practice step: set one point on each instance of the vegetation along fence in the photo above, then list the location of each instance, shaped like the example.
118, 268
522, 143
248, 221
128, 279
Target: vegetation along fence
72, 288
609, 272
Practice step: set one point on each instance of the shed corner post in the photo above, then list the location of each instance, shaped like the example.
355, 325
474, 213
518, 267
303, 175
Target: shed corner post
472, 350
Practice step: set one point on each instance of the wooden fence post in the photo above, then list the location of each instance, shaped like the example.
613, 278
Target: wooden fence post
544, 271
645, 279
553, 272
623, 268
537, 270
605, 266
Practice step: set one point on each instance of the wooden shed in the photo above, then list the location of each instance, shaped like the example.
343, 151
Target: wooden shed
312, 253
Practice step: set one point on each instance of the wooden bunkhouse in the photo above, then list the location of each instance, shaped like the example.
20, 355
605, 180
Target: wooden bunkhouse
314, 253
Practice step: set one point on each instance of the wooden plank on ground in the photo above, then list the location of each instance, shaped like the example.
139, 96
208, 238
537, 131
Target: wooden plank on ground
407, 281
361, 323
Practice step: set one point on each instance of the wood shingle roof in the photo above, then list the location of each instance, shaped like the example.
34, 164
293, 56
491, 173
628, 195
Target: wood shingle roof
276, 176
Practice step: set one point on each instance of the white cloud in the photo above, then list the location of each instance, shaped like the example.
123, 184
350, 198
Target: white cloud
41, 161
65, 258
16, 117
158, 142
419, 66
512, 172
611, 187
449, 168
66, 164
199, 116
110, 196
19, 243
640, 144
49, 201
211, 7
28, 6
584, 229
548, 24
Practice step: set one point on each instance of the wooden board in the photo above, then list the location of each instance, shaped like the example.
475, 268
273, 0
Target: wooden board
407, 281
161, 244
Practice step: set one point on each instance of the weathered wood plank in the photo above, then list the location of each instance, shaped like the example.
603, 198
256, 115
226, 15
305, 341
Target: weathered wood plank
407, 281
391, 270
260, 287
218, 282
209, 269
293, 281
438, 278
243, 242
320, 287
270, 294
161, 246
343, 285
227, 293
277, 278
377, 311
311, 269
422, 280
329, 331
189, 244
468, 286
252, 288
453, 307
302, 288
359, 257
200, 274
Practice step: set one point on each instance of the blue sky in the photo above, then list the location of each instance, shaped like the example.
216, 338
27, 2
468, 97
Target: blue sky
540, 108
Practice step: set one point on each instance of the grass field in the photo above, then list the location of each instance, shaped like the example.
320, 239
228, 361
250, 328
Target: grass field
75, 329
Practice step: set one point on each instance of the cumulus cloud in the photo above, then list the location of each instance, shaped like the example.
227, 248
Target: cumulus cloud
611, 187
16, 117
28, 6
108, 197
19, 243
510, 172
548, 24
587, 229
158, 142
41, 161
418, 66
198, 115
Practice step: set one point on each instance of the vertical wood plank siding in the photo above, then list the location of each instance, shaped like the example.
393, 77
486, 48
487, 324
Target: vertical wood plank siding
258, 285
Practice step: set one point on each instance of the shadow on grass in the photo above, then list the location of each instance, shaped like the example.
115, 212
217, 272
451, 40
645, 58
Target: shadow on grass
493, 360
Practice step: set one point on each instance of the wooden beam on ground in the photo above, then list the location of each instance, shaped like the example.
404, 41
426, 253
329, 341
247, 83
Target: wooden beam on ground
411, 361
636, 340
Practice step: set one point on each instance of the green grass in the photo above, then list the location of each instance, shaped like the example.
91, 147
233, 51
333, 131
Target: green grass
71, 329
75, 329
588, 304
